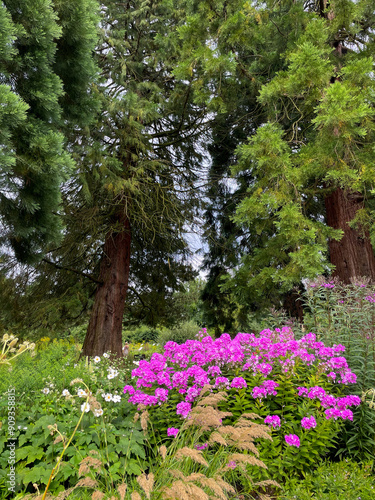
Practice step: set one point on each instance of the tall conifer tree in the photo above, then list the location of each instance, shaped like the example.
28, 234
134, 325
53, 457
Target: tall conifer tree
40, 103
137, 175
308, 164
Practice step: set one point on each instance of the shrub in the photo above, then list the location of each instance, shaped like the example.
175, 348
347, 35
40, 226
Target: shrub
143, 333
272, 375
345, 314
179, 334
332, 481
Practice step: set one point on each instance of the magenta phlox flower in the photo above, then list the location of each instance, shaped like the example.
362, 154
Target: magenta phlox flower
231, 464
192, 393
273, 420
316, 392
161, 394
302, 391
263, 368
140, 397
201, 446
180, 379
338, 363
327, 400
221, 381
308, 340
214, 370
183, 409
292, 440
308, 423
129, 389
238, 383
172, 431
335, 413
265, 389
331, 284
346, 401
348, 377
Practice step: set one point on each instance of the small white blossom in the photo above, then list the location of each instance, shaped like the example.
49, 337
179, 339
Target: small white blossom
97, 359
108, 397
82, 393
98, 412
19, 427
106, 355
65, 392
45, 390
112, 373
85, 407
116, 399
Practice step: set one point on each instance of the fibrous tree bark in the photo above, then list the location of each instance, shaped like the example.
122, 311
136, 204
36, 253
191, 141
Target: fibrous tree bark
352, 255
104, 333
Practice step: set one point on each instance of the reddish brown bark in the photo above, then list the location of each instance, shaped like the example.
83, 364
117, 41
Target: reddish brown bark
353, 255
104, 333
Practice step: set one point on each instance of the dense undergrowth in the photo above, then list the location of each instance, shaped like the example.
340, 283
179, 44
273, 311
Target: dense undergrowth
267, 415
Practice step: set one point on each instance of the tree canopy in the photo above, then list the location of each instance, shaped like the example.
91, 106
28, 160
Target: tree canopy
111, 115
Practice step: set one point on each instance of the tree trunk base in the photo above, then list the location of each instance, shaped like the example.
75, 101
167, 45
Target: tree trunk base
104, 333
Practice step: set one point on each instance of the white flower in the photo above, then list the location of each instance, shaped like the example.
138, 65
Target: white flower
98, 412
96, 359
140, 349
45, 390
108, 397
116, 399
65, 392
85, 407
25, 428
106, 355
136, 362
112, 373
82, 393
19, 427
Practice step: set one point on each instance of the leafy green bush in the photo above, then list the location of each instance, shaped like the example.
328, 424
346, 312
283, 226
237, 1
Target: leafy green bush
143, 333
179, 334
332, 481
345, 314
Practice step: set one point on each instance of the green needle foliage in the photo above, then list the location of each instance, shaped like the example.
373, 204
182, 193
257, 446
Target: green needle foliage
34, 157
294, 77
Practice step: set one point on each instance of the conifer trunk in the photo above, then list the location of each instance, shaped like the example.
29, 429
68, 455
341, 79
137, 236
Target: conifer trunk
104, 333
353, 255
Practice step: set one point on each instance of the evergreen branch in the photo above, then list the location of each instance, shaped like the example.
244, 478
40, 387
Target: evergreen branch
69, 269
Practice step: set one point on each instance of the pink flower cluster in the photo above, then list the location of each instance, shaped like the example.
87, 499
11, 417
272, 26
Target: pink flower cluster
273, 420
335, 407
172, 431
308, 423
370, 298
186, 368
292, 440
